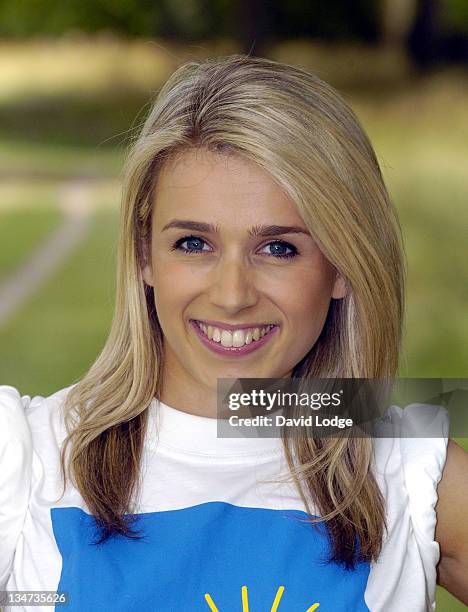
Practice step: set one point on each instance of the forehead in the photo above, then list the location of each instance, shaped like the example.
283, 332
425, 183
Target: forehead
220, 188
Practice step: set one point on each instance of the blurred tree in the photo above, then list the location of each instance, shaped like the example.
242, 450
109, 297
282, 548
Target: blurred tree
432, 31
333, 20
439, 33
435, 29
254, 23
27, 17
397, 18
456, 15
193, 19
425, 39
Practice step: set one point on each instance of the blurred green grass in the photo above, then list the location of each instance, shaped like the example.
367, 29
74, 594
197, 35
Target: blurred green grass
22, 230
55, 162
431, 196
55, 337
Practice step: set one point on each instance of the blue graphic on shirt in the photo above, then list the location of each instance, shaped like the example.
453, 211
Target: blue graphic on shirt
210, 557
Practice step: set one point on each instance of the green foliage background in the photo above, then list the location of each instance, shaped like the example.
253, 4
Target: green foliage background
197, 19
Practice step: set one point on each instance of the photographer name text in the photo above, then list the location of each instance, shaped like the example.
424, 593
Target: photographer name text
314, 420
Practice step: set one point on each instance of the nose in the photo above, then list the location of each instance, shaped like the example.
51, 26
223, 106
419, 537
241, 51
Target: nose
233, 286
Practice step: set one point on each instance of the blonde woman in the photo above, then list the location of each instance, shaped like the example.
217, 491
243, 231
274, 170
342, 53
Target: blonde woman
257, 240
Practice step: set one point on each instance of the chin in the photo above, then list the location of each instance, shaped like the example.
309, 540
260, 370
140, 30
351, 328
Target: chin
245, 372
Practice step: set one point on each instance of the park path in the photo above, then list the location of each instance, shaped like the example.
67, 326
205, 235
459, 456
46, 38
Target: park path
76, 203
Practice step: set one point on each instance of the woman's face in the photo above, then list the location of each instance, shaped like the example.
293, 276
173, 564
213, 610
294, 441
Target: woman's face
241, 289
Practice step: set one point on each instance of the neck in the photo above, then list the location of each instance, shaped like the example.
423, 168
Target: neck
196, 399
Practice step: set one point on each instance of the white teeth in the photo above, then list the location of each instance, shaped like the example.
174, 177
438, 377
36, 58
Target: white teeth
237, 338
226, 339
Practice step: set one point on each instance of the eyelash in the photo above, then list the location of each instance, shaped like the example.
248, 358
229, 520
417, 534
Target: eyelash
178, 247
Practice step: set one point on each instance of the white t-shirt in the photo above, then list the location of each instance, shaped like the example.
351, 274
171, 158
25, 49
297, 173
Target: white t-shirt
219, 534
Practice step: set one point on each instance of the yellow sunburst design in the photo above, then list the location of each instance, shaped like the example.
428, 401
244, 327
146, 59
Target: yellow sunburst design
245, 601
211, 603
279, 595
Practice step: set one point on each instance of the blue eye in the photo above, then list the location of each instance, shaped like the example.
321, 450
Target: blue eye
279, 248
194, 245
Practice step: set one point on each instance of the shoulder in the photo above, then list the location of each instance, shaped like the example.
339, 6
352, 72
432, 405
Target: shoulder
411, 452
12, 415
410, 456
15, 435
26, 424
23, 420
15, 472
45, 416
414, 441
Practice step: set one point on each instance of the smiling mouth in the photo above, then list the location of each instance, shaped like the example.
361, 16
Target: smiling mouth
237, 338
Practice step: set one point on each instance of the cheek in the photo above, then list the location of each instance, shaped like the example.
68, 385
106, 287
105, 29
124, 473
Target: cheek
309, 311
308, 288
306, 303
174, 286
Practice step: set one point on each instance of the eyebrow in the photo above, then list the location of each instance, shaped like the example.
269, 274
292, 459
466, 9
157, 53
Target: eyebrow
256, 230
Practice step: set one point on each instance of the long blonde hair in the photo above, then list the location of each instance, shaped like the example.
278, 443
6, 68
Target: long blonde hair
303, 133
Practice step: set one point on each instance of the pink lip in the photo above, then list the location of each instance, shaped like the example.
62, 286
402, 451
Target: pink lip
233, 351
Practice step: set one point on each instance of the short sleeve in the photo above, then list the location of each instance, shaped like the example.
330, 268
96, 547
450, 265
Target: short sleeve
15, 473
425, 431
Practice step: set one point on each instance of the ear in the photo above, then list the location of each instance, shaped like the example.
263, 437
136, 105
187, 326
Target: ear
147, 268
340, 288
147, 273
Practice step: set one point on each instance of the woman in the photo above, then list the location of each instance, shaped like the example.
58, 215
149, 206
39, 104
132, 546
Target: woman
257, 240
